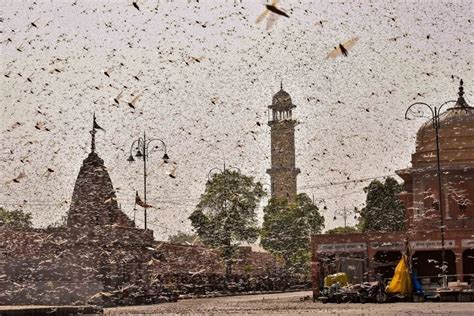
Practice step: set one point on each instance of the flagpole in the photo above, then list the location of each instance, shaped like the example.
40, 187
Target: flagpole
93, 133
135, 208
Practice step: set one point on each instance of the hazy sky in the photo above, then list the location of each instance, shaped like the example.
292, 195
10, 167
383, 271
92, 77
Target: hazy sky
351, 109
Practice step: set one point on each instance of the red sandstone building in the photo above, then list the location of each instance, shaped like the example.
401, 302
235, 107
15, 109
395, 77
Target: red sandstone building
364, 255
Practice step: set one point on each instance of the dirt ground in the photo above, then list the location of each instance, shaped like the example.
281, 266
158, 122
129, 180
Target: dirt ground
289, 304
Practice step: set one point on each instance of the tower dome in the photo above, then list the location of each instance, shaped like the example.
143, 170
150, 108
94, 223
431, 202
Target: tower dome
282, 101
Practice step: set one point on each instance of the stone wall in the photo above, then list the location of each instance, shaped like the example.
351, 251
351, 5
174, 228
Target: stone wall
69, 265
173, 258
82, 261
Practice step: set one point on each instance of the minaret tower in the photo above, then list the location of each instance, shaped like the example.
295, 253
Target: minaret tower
283, 171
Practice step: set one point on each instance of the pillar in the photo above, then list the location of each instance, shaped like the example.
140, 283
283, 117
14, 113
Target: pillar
459, 263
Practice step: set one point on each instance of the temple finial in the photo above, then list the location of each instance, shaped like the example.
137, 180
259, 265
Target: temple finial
461, 102
281, 84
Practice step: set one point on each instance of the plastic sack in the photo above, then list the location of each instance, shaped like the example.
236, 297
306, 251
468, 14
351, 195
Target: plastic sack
334, 278
401, 281
416, 284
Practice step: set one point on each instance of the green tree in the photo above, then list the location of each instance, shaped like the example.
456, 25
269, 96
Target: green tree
383, 211
185, 239
226, 213
342, 230
287, 228
17, 218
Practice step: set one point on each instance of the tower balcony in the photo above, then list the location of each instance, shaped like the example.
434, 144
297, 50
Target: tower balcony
292, 170
284, 122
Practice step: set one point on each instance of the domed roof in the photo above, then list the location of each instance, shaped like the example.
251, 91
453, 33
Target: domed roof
456, 136
282, 101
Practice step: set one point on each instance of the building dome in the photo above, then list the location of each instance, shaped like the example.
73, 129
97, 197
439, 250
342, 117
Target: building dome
282, 101
456, 136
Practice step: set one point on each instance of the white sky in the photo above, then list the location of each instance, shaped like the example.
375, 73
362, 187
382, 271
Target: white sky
351, 109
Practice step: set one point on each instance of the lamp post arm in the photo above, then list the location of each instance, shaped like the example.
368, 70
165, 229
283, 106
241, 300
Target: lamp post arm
210, 171
439, 110
233, 168
447, 102
155, 139
433, 114
133, 144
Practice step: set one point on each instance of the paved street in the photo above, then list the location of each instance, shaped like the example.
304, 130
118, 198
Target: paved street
290, 304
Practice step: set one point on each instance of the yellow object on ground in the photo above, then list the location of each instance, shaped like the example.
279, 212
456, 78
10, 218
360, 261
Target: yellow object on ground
401, 281
334, 278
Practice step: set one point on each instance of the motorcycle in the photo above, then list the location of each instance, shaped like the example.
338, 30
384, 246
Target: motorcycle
372, 292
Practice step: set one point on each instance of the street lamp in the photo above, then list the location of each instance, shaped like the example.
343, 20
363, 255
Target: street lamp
223, 171
320, 200
345, 214
436, 123
144, 148
227, 236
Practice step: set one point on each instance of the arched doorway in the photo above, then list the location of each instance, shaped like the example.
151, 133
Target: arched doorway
468, 265
353, 264
385, 263
427, 264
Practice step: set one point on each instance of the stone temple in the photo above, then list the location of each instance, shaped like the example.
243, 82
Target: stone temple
93, 201
99, 251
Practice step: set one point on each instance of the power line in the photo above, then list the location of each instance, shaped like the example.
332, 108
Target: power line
323, 185
192, 201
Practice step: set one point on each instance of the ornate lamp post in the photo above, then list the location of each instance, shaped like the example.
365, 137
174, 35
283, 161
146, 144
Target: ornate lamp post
227, 237
144, 148
345, 214
435, 120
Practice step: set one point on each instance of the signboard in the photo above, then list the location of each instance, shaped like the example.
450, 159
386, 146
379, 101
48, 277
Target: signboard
389, 245
342, 247
467, 243
431, 244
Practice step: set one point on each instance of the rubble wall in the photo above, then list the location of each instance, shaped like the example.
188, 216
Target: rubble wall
69, 266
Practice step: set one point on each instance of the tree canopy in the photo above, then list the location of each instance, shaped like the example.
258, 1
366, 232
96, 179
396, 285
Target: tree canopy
185, 239
226, 213
17, 218
342, 230
287, 228
383, 211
